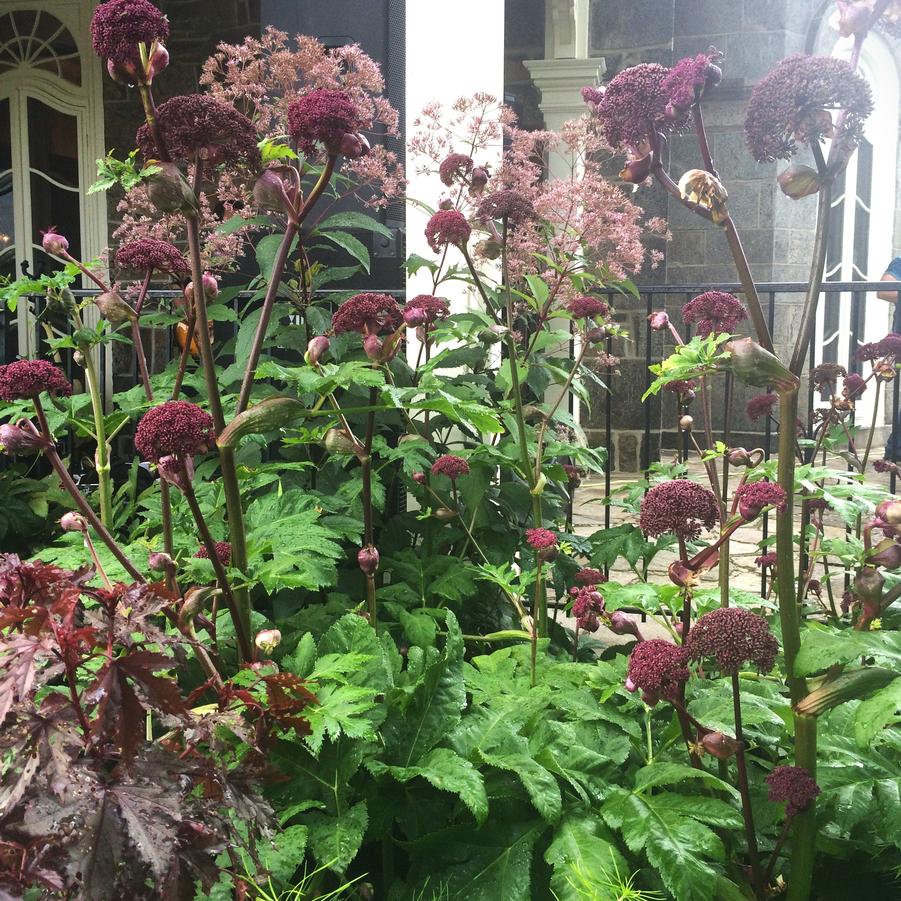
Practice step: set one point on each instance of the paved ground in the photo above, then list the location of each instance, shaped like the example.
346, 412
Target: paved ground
588, 517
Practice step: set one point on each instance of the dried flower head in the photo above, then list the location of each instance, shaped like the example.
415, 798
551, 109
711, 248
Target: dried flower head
447, 227
685, 388
199, 125
454, 167
825, 375
854, 386
451, 466
793, 105
754, 496
540, 539
714, 312
766, 561
760, 405
322, 117
585, 307
509, 205
794, 786
26, 379
732, 637
368, 314
151, 255
176, 428
632, 105
679, 506
118, 26
223, 552
658, 668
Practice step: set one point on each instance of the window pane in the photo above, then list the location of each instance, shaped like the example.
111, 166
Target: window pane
7, 246
53, 142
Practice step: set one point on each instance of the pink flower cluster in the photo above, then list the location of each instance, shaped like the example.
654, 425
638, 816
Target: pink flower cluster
760, 405
540, 539
585, 307
176, 428
454, 167
425, 309
732, 637
686, 82
679, 506
451, 466
589, 576
889, 346
854, 386
369, 314
26, 379
714, 312
587, 606
752, 497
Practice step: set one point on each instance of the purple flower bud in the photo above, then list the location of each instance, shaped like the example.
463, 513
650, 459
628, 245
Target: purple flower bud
268, 640
160, 561
169, 190
890, 512
114, 308
158, 62
478, 179
177, 471
720, 745
54, 243
15, 440
596, 334
659, 320
278, 188
686, 423
623, 624
73, 522
316, 348
373, 347
419, 478
798, 181
445, 514
868, 584
738, 456
637, 170
210, 288
446, 203
353, 146
368, 560
415, 316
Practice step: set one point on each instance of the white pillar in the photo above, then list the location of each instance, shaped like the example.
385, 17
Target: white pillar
451, 52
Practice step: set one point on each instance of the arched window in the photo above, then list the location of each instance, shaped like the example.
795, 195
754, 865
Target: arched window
51, 133
863, 213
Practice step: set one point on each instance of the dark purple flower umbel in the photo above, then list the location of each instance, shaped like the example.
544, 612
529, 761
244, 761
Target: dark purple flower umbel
761, 405
322, 117
199, 125
451, 466
589, 576
118, 26
632, 105
753, 497
730, 637
794, 104
369, 314
794, 786
447, 227
585, 307
657, 668
509, 205
454, 167
679, 506
223, 552
714, 311
425, 309
854, 386
686, 82
176, 428
26, 379
588, 605
151, 255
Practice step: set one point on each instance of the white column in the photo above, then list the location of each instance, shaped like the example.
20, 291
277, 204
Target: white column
451, 52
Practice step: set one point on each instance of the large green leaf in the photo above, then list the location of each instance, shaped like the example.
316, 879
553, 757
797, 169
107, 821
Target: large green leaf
585, 859
336, 838
877, 712
823, 647
448, 772
354, 246
354, 220
426, 706
674, 832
